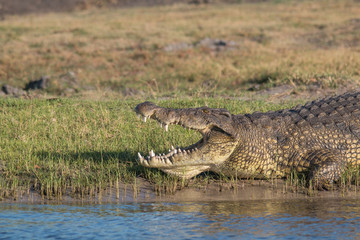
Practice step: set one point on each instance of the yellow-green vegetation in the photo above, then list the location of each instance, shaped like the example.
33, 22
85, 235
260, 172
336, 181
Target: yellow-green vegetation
155, 51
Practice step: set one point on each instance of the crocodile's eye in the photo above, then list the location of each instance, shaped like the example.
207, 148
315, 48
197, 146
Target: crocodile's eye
205, 111
226, 114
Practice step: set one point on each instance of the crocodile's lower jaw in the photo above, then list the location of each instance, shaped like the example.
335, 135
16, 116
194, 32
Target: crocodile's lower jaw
186, 172
171, 161
192, 160
184, 162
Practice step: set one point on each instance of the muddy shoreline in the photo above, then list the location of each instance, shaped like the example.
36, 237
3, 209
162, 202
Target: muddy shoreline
243, 190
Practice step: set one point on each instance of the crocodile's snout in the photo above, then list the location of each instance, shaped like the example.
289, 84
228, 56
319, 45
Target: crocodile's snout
146, 109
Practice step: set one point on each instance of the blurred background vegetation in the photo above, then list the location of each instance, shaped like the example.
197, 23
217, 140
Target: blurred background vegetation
142, 49
21, 7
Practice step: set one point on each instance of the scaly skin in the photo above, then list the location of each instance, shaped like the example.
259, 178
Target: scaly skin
321, 138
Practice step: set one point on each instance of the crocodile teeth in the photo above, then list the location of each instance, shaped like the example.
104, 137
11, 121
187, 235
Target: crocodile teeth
142, 160
154, 160
166, 127
164, 158
144, 119
152, 154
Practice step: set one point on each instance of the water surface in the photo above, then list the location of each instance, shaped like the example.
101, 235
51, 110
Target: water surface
268, 219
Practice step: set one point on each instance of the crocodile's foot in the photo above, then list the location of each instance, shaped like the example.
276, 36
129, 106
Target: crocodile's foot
321, 185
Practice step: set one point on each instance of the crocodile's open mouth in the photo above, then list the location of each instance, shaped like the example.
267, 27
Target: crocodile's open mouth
176, 154
219, 138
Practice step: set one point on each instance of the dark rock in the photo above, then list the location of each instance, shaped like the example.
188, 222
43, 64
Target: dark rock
42, 84
12, 91
255, 87
210, 43
216, 44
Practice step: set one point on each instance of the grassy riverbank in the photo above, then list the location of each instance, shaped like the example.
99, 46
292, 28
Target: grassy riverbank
57, 146
79, 148
106, 61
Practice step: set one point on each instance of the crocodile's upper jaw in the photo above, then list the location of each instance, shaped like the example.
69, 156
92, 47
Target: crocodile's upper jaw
208, 153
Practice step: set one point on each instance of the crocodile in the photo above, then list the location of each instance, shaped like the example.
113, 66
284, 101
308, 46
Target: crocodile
320, 139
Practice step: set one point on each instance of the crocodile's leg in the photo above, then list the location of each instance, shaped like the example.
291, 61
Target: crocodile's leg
326, 167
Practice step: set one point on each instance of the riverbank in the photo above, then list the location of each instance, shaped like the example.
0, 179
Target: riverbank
69, 83
84, 150
144, 191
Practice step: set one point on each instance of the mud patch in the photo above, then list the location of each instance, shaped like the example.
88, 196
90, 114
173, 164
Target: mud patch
143, 191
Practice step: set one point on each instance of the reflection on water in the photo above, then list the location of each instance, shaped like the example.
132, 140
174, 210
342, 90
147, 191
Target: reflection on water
295, 219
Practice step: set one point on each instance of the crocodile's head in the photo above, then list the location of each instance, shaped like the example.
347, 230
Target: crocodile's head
218, 142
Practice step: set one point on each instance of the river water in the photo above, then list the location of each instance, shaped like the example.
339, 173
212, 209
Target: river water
259, 219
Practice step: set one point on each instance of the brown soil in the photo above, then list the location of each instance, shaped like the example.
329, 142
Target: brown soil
144, 192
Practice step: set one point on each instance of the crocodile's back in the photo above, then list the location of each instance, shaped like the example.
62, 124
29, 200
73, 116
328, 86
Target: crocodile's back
303, 136
339, 112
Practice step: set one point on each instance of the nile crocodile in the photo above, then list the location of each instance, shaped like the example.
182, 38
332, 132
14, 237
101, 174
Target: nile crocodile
320, 138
